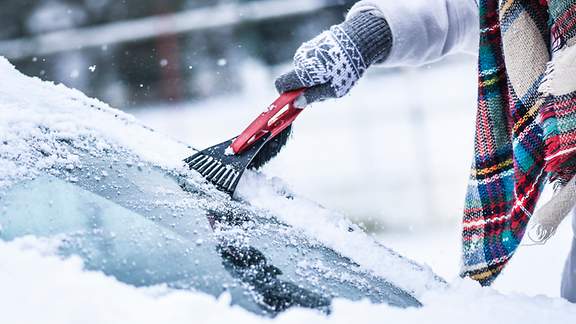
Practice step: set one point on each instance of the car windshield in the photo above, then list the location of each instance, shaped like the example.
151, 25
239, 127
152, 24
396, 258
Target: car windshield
147, 226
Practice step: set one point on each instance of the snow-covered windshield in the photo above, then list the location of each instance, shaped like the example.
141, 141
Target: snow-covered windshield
58, 139
136, 222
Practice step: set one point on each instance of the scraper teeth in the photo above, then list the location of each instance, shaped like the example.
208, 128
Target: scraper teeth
211, 171
224, 177
193, 159
236, 174
209, 166
205, 165
198, 158
198, 162
217, 174
218, 168
229, 179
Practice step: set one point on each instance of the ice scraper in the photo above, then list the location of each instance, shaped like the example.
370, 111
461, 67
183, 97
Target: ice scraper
224, 164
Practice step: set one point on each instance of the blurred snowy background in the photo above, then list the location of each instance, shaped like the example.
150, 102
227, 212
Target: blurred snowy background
393, 155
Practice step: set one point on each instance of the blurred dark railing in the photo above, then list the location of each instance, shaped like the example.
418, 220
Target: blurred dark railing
135, 53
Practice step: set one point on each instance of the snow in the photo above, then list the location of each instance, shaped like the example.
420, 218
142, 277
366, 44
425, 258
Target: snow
229, 151
335, 231
533, 271
31, 141
64, 293
38, 286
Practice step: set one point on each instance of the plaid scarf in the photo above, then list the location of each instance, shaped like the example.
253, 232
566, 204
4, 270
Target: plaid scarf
525, 127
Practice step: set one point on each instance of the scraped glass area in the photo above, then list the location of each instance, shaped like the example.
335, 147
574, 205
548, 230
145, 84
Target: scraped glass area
137, 223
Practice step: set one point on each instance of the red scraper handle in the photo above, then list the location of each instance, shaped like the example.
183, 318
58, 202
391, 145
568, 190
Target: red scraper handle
279, 115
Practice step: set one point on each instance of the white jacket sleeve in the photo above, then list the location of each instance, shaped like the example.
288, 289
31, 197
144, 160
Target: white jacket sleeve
424, 31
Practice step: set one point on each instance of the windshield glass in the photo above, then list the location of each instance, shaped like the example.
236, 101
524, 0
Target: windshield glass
146, 226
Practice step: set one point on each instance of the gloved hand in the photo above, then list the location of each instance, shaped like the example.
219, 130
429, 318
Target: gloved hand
330, 64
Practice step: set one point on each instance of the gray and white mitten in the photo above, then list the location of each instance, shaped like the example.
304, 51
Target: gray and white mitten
330, 64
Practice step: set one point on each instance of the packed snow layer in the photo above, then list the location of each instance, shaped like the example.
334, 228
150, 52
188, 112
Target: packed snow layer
38, 286
62, 292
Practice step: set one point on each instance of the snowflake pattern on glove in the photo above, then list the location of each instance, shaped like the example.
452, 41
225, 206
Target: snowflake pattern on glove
332, 58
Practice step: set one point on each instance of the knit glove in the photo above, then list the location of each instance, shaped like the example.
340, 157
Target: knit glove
330, 64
